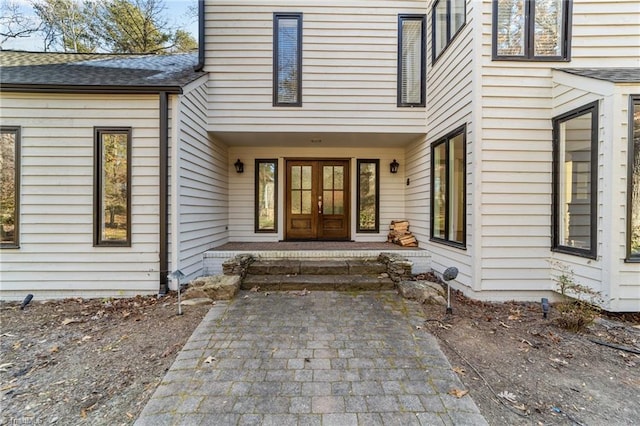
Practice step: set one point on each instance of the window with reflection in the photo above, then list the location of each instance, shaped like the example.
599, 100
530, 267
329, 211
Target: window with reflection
113, 186
9, 185
575, 181
368, 199
448, 193
266, 196
633, 190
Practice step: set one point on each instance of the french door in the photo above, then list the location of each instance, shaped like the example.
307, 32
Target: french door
317, 200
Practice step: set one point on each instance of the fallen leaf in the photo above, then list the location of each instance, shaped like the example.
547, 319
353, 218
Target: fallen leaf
255, 288
54, 349
559, 361
245, 296
7, 335
17, 345
6, 366
125, 314
508, 396
458, 393
209, 360
67, 321
521, 407
504, 325
459, 370
418, 327
129, 415
513, 317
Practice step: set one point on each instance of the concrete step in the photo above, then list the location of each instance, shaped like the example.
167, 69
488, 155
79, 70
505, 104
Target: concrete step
362, 266
286, 282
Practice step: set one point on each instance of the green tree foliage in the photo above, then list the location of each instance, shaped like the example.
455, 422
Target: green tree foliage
114, 26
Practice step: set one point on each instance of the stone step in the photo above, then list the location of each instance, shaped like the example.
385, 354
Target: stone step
363, 266
286, 282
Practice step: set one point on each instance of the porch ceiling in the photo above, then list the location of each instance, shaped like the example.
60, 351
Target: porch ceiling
317, 139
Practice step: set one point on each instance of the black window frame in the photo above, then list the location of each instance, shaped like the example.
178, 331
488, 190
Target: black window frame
256, 202
450, 36
97, 186
276, 81
16, 130
556, 215
462, 130
423, 21
630, 257
529, 35
376, 229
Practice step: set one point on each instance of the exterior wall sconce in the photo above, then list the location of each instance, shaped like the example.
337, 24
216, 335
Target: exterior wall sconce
394, 166
239, 165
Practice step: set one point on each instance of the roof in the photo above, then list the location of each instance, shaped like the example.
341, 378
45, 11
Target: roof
44, 71
613, 75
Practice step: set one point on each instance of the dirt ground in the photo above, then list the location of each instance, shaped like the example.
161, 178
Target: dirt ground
98, 361
521, 369
91, 362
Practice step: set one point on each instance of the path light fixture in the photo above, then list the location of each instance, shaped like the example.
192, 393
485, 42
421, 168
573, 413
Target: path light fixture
545, 307
449, 274
239, 165
177, 275
393, 166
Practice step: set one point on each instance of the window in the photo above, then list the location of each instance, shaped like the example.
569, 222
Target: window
411, 67
266, 196
112, 187
531, 29
575, 154
448, 188
448, 16
9, 185
368, 201
633, 191
287, 59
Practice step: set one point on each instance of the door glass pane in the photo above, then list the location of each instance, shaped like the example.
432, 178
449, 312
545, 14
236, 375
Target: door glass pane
548, 27
327, 177
456, 188
510, 28
306, 177
327, 202
306, 202
338, 202
338, 177
575, 182
439, 190
296, 177
296, 202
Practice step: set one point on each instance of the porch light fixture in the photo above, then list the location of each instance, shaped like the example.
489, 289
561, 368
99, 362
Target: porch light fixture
393, 166
239, 165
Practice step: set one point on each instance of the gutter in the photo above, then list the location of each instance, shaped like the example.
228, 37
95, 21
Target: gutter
200, 65
164, 192
116, 90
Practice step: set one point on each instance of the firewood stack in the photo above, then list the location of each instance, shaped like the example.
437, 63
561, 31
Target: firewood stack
399, 234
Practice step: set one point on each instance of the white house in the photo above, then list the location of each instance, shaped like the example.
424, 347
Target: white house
510, 124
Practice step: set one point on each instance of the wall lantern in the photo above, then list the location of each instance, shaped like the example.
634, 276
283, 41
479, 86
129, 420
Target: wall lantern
394, 166
239, 166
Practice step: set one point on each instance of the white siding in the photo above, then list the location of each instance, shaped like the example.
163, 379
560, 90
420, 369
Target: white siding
450, 88
349, 67
241, 188
515, 196
202, 183
56, 257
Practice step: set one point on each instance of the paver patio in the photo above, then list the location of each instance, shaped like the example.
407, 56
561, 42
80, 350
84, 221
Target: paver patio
325, 358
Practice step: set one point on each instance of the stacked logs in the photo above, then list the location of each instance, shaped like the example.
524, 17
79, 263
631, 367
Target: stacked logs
399, 234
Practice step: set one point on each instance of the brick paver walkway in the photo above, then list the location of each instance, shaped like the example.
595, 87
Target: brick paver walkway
326, 358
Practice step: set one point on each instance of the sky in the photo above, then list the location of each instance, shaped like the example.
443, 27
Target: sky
175, 13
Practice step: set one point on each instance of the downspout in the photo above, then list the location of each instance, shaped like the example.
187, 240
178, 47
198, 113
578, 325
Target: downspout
200, 65
164, 191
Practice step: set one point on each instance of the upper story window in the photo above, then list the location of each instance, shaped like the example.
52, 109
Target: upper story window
287, 59
9, 185
575, 156
411, 64
633, 190
448, 17
531, 29
112, 186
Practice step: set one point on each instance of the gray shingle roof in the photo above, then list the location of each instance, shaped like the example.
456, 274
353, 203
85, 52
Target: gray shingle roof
614, 75
97, 71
